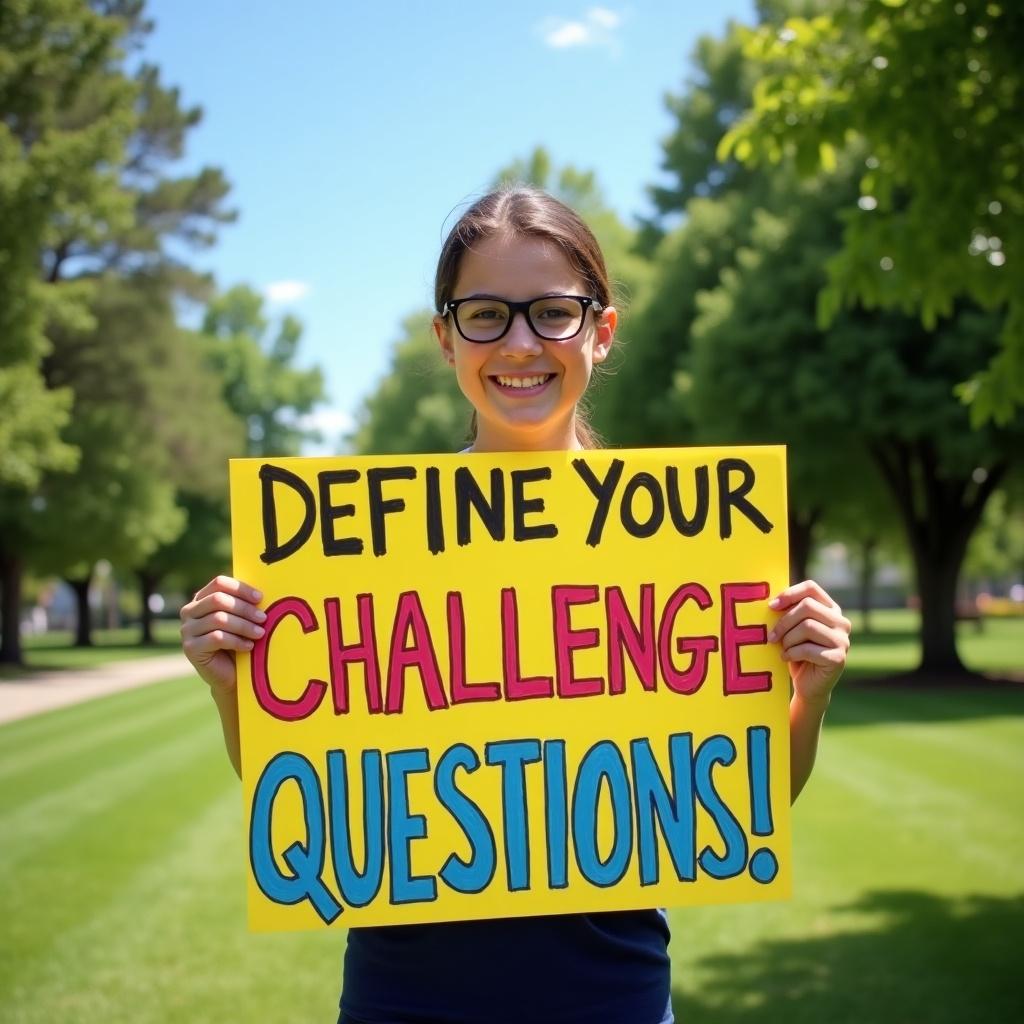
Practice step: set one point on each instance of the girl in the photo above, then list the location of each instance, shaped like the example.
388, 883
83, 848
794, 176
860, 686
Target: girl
524, 313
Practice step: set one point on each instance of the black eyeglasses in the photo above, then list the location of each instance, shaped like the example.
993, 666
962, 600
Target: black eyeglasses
552, 317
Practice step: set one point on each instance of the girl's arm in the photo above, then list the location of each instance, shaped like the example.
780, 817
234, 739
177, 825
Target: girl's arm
815, 638
221, 619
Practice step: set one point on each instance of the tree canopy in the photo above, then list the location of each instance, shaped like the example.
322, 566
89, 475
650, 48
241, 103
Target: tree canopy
928, 96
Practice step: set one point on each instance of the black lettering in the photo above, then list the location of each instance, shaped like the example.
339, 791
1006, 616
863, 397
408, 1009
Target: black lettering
329, 513
468, 494
729, 498
379, 507
603, 491
523, 506
435, 522
273, 551
633, 525
688, 527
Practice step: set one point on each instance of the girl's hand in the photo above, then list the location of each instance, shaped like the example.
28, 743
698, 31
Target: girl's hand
222, 618
815, 637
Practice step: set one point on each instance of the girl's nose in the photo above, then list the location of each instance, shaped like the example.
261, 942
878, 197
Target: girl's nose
520, 338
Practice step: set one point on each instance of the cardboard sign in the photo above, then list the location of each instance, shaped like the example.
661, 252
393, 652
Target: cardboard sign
502, 685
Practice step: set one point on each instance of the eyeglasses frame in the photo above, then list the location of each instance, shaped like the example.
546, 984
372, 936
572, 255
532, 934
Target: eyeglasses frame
452, 305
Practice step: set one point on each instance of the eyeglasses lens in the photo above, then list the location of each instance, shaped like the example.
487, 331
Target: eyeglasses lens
551, 318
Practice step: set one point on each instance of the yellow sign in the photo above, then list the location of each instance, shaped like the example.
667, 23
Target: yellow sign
503, 685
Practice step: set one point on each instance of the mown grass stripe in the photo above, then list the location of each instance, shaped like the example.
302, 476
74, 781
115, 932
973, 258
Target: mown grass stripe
26, 732
45, 818
43, 780
171, 944
67, 878
81, 743
964, 823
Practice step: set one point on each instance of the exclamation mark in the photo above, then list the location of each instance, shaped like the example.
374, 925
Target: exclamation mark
763, 866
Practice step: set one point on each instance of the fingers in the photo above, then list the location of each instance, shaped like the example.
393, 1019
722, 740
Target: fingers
817, 643
808, 607
797, 592
229, 585
812, 627
222, 622
223, 616
226, 595
198, 648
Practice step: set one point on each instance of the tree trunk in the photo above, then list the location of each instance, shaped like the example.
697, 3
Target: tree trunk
83, 625
940, 513
147, 587
868, 549
801, 533
937, 574
10, 609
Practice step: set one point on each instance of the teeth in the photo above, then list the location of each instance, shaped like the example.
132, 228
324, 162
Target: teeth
522, 382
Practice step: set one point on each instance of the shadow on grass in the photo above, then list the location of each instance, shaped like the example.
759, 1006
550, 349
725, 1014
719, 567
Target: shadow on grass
854, 705
910, 956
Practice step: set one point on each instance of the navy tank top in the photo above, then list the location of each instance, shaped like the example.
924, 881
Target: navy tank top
610, 967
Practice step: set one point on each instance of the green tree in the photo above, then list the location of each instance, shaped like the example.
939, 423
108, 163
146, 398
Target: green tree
255, 364
56, 167
147, 420
253, 404
875, 385
929, 95
995, 557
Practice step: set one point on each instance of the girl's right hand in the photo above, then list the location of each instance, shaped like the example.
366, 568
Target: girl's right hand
222, 618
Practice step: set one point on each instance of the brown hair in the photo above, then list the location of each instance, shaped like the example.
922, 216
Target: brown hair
527, 211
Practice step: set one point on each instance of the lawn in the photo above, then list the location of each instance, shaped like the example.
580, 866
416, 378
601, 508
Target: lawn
122, 858
45, 652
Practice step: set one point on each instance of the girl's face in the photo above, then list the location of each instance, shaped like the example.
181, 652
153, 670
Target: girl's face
542, 415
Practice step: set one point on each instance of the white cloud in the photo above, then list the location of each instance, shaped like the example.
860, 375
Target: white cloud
605, 18
596, 28
286, 291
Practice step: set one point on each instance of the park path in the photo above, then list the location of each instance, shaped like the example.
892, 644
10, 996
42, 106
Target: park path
45, 691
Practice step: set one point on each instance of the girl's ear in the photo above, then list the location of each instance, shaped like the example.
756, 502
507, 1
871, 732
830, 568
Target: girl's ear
440, 326
606, 324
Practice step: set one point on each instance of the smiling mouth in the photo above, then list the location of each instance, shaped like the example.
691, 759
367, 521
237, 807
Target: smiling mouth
522, 385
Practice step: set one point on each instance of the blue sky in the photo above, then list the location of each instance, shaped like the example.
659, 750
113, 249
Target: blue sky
352, 132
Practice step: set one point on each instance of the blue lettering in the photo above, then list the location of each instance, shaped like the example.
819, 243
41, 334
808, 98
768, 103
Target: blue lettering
513, 756
357, 889
602, 764
676, 814
475, 874
403, 827
719, 750
305, 862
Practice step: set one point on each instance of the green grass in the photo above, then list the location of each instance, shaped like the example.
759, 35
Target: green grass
892, 646
55, 651
123, 897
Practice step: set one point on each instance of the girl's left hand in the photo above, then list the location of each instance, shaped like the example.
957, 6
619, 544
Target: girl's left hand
815, 637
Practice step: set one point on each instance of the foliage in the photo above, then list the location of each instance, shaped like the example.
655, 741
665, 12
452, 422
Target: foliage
259, 382
929, 94
85, 203
996, 552
134, 423
727, 347
52, 167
